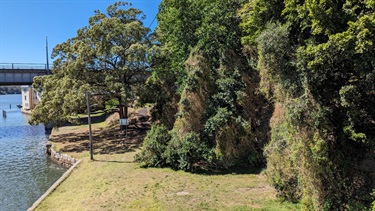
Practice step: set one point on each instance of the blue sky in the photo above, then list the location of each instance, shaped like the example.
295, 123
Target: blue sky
25, 24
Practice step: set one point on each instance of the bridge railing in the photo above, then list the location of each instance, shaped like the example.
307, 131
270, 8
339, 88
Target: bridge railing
23, 66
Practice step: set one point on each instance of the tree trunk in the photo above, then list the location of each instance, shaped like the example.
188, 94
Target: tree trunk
123, 111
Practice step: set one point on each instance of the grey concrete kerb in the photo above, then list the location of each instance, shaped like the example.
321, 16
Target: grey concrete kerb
54, 186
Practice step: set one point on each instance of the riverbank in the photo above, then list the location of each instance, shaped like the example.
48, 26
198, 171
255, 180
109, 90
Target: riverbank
24, 111
113, 181
25, 171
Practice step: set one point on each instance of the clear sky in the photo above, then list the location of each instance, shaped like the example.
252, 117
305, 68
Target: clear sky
25, 24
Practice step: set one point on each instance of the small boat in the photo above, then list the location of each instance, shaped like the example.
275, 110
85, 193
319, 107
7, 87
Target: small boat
19, 106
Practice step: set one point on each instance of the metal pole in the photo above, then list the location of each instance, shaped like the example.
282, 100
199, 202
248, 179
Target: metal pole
89, 121
47, 56
126, 131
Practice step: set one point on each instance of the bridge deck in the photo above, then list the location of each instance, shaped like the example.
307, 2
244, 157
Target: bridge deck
21, 74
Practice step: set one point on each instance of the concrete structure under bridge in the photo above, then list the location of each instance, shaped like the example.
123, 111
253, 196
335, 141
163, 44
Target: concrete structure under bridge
20, 73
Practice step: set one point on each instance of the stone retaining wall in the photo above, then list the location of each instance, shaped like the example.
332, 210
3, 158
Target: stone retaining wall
62, 159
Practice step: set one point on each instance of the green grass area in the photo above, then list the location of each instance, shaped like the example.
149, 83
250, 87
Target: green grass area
92, 114
113, 181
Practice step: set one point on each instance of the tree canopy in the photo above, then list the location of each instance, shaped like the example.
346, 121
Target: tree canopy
217, 117
109, 56
316, 64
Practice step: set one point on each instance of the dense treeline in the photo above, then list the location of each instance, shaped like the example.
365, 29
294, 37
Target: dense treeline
10, 90
284, 84
218, 120
316, 63
228, 66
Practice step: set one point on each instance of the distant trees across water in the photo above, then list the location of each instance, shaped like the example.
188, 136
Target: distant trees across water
10, 90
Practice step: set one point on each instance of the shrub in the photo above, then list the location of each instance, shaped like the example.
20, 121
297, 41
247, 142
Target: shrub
183, 152
154, 146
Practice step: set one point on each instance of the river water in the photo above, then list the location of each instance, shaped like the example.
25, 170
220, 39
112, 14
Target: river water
25, 171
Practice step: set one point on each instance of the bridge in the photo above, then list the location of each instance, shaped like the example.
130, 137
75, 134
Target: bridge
21, 73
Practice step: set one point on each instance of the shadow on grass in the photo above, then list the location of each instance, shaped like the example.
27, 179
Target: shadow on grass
105, 141
116, 141
236, 170
113, 161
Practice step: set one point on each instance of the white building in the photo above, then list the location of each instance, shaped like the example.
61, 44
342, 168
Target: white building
30, 98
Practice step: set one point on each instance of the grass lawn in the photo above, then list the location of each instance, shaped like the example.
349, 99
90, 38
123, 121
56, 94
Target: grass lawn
114, 182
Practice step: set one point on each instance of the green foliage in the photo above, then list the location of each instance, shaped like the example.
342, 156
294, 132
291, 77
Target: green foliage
230, 88
162, 148
327, 17
175, 35
111, 104
154, 147
215, 122
62, 100
282, 156
110, 56
256, 14
183, 153
277, 63
316, 63
201, 61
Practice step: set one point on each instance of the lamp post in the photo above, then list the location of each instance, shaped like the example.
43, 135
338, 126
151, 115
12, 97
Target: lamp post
89, 122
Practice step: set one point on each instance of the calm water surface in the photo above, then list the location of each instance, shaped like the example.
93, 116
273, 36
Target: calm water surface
25, 171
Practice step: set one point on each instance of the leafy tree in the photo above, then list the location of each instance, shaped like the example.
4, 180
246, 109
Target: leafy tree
177, 22
216, 117
108, 56
316, 64
256, 14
